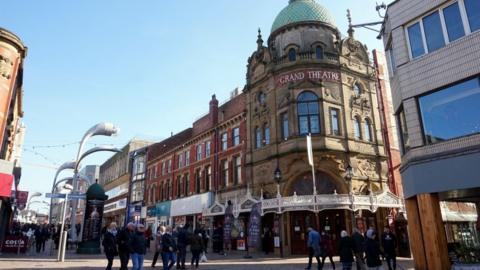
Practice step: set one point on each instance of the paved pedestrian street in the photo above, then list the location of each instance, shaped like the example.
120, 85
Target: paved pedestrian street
216, 262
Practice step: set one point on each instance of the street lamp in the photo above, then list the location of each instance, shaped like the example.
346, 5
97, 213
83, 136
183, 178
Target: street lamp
69, 165
63, 234
348, 178
101, 129
277, 175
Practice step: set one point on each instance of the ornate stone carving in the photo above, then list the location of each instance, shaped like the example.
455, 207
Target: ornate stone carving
332, 93
285, 100
6, 67
366, 168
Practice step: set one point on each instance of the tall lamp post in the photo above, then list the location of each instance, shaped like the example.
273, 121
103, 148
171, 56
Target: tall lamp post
348, 179
277, 175
63, 233
69, 165
101, 129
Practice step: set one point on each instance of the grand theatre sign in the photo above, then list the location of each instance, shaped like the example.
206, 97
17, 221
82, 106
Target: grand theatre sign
308, 74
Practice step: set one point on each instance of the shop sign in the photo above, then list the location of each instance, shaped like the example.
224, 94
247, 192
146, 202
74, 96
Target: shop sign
241, 244
13, 244
151, 211
120, 204
310, 74
254, 225
117, 191
163, 209
191, 205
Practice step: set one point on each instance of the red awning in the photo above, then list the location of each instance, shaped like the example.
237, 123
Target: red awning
6, 181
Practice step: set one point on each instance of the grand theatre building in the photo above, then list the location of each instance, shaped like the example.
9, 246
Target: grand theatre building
307, 79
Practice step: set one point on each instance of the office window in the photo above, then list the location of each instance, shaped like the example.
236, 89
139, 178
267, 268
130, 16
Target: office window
308, 113
284, 124
207, 148
187, 158
368, 130
180, 160
453, 22
416, 40
198, 179
258, 137
238, 170
164, 168
319, 52
225, 173
292, 55
451, 112
236, 136
357, 128
224, 141
334, 122
199, 152
170, 189
266, 130
208, 178
187, 184
473, 14
169, 165
179, 186
433, 32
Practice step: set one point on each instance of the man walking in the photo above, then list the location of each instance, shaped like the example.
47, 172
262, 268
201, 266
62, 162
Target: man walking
359, 249
182, 242
389, 244
169, 248
313, 248
123, 241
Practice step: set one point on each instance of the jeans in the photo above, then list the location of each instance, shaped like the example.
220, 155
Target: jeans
110, 262
137, 261
182, 254
391, 261
195, 257
311, 253
124, 257
168, 259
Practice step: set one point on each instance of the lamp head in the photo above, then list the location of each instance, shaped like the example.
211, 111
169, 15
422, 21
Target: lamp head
277, 175
104, 129
349, 172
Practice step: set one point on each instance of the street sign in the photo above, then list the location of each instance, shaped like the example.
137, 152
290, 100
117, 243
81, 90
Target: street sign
55, 195
77, 196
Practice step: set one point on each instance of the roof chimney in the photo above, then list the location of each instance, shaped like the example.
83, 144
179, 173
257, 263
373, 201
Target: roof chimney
213, 112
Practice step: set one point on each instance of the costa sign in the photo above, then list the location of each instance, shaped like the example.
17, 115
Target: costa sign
13, 243
311, 74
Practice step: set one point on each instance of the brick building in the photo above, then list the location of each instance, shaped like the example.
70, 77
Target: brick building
185, 170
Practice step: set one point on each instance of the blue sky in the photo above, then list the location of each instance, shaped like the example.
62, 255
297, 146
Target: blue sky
148, 66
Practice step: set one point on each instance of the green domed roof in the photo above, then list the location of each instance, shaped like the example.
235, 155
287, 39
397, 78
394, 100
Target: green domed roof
96, 192
302, 11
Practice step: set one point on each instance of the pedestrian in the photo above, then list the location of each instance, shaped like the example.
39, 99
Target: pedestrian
389, 244
345, 250
327, 248
109, 244
169, 247
38, 239
138, 247
158, 244
359, 249
123, 242
148, 237
314, 249
182, 243
205, 238
217, 239
372, 251
267, 240
196, 247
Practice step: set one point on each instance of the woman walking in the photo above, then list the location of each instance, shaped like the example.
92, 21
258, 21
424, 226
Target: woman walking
110, 244
138, 247
158, 244
372, 251
327, 248
345, 249
196, 247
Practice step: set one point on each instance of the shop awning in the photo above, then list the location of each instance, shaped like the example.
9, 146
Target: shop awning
163, 209
6, 178
191, 205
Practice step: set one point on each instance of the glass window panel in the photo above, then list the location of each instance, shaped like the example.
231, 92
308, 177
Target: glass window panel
404, 131
356, 89
307, 96
303, 124
267, 135
452, 112
473, 13
313, 107
285, 126
319, 52
258, 138
334, 122
433, 32
416, 41
368, 131
302, 108
314, 124
292, 55
356, 126
453, 21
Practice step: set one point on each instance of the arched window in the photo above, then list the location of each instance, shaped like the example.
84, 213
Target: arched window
368, 130
357, 128
292, 55
261, 98
308, 113
357, 90
319, 52
258, 137
266, 130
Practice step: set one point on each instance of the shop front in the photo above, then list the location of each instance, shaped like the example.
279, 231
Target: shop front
115, 212
189, 210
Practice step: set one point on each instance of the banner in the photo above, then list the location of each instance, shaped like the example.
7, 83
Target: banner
254, 225
6, 181
227, 225
22, 198
93, 220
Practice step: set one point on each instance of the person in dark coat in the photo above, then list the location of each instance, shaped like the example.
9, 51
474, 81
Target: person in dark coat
38, 239
267, 240
158, 244
196, 247
327, 248
314, 249
123, 242
359, 249
372, 250
109, 244
182, 243
389, 244
218, 239
169, 247
345, 250
138, 247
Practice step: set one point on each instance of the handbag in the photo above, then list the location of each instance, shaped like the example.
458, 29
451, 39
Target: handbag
203, 258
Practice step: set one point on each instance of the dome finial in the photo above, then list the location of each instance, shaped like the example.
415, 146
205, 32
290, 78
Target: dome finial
259, 40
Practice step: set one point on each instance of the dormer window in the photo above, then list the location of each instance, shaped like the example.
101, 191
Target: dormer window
292, 55
319, 52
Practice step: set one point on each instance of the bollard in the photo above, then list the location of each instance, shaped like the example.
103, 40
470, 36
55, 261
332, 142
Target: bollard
62, 259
